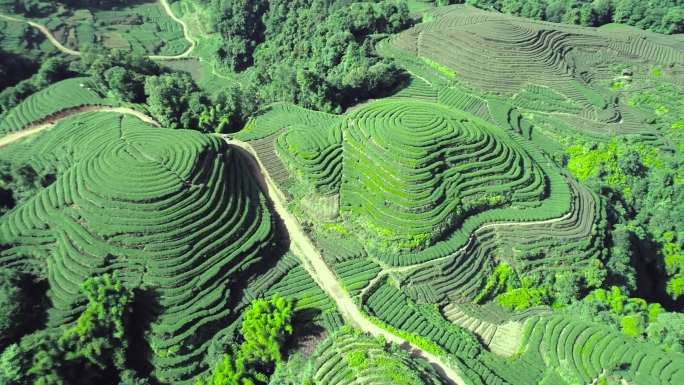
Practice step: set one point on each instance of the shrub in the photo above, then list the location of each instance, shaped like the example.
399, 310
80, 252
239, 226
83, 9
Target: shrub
523, 298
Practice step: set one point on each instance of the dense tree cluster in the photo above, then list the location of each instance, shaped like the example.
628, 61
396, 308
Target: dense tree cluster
518, 293
663, 16
239, 22
266, 324
317, 54
14, 68
92, 350
645, 203
14, 303
20, 182
173, 98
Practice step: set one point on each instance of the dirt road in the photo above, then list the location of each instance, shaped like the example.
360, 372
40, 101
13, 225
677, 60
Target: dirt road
300, 244
51, 121
164, 4
186, 34
43, 29
315, 265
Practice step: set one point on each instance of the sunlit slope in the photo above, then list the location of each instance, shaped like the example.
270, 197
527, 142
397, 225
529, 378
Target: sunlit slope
349, 358
413, 171
64, 95
575, 351
172, 211
416, 178
546, 67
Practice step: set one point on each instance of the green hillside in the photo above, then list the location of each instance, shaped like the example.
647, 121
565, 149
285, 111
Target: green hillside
329, 192
169, 210
347, 357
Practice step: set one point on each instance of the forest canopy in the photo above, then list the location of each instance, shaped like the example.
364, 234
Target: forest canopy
317, 54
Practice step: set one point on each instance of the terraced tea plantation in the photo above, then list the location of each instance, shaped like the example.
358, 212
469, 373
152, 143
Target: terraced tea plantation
190, 226
140, 27
49, 103
508, 212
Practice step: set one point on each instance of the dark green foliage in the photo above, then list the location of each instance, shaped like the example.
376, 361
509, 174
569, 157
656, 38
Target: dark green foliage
663, 16
633, 316
327, 63
91, 351
501, 280
129, 377
646, 204
51, 70
228, 110
30, 7
13, 68
266, 324
240, 25
10, 365
20, 182
295, 371
96, 3
228, 371
511, 292
14, 305
174, 100
99, 333
122, 73
667, 331
317, 54
42, 7
441, 3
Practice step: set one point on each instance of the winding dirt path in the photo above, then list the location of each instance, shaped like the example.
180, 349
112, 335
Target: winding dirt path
300, 244
186, 35
49, 122
164, 4
315, 265
43, 29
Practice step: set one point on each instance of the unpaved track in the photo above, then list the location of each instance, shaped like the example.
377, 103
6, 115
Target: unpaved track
164, 4
43, 29
49, 122
300, 243
186, 34
315, 265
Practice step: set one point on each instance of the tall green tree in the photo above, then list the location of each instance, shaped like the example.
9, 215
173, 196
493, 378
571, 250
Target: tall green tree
663, 16
99, 333
265, 326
